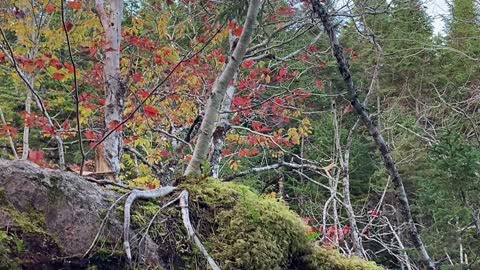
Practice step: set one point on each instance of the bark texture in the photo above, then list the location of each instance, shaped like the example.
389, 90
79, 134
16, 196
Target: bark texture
320, 10
111, 14
218, 92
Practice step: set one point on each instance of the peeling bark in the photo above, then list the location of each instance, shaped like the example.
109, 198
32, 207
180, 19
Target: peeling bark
111, 15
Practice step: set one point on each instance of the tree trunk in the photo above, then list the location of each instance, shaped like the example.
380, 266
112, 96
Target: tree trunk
321, 11
109, 154
214, 102
221, 132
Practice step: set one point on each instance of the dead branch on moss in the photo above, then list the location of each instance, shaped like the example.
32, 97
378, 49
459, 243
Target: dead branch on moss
191, 231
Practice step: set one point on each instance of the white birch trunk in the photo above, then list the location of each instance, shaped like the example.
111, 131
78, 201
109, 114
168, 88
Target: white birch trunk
214, 102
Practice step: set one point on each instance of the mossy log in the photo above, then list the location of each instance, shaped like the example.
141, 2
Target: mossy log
49, 219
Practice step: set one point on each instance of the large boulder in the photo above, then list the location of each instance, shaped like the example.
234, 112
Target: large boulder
49, 219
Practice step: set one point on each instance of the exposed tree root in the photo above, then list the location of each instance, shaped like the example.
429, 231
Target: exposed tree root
139, 194
158, 193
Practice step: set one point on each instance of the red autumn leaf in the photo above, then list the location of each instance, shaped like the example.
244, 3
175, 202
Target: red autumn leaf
248, 64
9, 130
29, 65
75, 5
101, 101
238, 31
68, 26
50, 8
144, 93
37, 157
256, 125
374, 213
66, 125
347, 230
115, 125
40, 63
165, 154
286, 11
232, 25
222, 58
150, 111
2, 57
244, 153
41, 121
70, 68
48, 130
242, 102
56, 64
89, 134
92, 51
226, 152
28, 118
283, 72
137, 77
58, 76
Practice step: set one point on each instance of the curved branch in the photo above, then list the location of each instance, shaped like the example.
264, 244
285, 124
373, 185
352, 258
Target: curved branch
139, 194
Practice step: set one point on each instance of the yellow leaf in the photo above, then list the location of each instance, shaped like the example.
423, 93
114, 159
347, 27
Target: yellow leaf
234, 165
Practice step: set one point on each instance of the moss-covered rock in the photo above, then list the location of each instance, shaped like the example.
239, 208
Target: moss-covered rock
240, 229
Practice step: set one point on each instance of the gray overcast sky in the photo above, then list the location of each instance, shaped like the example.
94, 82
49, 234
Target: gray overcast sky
437, 9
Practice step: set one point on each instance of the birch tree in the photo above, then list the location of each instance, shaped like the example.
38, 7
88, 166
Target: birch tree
220, 87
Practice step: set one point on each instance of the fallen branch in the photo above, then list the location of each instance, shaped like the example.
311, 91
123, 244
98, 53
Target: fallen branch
191, 231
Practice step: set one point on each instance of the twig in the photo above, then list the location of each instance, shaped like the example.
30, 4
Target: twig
75, 84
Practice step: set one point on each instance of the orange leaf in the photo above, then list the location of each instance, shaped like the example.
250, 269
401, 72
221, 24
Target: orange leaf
75, 5
238, 31
90, 135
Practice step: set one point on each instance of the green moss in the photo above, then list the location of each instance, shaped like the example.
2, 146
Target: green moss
253, 232
324, 259
244, 230
6, 261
